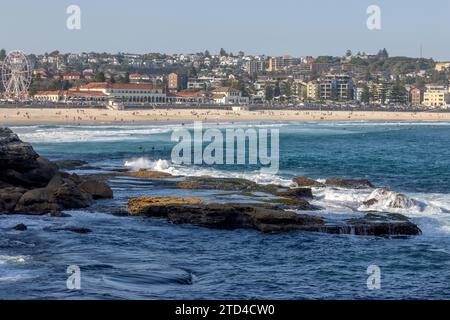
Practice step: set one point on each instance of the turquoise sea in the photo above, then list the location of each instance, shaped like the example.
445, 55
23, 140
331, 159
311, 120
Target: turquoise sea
138, 258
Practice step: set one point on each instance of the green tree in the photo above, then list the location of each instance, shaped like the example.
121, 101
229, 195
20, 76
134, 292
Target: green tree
277, 90
383, 54
365, 95
100, 77
66, 85
126, 78
420, 83
2, 54
269, 93
398, 94
287, 88
223, 53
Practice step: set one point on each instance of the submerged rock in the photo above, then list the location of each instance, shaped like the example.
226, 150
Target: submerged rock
349, 183
20, 227
298, 193
307, 182
383, 225
80, 230
226, 184
262, 218
69, 164
149, 174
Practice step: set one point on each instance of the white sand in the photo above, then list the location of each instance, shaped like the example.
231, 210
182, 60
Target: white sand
24, 116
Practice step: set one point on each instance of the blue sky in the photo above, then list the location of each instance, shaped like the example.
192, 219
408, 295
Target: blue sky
278, 27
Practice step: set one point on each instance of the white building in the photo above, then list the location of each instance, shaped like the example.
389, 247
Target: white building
72, 96
226, 95
129, 93
96, 92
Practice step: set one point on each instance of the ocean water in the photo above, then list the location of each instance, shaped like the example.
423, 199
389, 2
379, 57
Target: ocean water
141, 258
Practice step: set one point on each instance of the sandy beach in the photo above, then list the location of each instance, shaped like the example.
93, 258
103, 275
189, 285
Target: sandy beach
31, 116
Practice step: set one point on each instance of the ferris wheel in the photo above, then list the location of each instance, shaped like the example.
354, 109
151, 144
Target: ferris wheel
16, 75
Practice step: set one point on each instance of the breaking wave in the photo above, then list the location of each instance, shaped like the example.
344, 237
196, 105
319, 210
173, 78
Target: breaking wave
4, 259
195, 171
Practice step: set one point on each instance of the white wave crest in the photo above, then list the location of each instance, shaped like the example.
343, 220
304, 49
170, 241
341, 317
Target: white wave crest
384, 199
195, 171
13, 259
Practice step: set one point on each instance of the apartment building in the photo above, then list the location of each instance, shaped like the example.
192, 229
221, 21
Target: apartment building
416, 96
280, 63
312, 90
435, 96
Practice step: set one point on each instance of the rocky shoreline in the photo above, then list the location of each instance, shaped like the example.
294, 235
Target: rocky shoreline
30, 184
33, 185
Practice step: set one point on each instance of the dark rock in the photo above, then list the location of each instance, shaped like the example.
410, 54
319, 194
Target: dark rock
120, 170
383, 225
233, 216
60, 193
300, 193
9, 197
307, 182
227, 184
240, 216
14, 153
20, 165
97, 189
59, 214
37, 175
349, 183
40, 176
79, 230
70, 196
67, 194
120, 212
291, 203
30, 184
4, 185
20, 227
370, 202
37, 201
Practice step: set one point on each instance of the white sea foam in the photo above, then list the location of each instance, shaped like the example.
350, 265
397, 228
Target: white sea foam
61, 134
383, 199
13, 259
12, 278
195, 171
